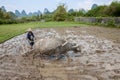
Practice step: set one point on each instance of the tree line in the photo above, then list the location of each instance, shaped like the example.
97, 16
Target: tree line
113, 10
61, 14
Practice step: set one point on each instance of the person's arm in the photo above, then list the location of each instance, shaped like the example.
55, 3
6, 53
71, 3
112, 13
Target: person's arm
33, 35
27, 37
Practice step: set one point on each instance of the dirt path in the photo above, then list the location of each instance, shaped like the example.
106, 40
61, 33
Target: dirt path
99, 58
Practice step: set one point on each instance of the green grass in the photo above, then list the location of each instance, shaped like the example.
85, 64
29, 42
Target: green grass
11, 30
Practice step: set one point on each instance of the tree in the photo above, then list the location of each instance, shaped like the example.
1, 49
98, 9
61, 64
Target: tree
114, 9
4, 15
3, 9
97, 12
12, 15
1, 14
60, 13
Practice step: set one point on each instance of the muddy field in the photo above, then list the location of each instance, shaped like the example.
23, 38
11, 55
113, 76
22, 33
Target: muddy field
98, 59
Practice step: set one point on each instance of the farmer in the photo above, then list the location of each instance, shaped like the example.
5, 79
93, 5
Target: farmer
30, 37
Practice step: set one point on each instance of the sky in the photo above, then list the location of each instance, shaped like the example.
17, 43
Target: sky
35, 5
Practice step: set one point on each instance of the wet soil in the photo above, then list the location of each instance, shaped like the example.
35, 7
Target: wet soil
99, 58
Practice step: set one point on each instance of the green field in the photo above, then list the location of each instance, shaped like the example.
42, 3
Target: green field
11, 30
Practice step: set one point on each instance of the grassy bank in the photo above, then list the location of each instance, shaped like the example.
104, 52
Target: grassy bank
9, 31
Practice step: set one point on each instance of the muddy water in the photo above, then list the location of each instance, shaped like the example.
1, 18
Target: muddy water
99, 58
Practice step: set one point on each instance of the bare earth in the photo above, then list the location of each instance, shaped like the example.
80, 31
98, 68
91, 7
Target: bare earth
99, 58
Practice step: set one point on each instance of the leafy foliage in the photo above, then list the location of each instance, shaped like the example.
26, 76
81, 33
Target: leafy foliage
60, 13
98, 11
74, 13
6, 17
114, 9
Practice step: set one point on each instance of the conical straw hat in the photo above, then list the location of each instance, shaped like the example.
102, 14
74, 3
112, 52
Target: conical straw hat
29, 29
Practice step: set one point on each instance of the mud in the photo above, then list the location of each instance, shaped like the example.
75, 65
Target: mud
99, 58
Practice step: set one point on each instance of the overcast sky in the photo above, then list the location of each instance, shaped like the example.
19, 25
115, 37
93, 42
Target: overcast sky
35, 5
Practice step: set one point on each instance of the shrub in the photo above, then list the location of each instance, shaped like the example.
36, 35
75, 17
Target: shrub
111, 23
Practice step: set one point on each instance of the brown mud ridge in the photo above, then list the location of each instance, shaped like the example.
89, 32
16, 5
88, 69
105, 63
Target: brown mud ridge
97, 58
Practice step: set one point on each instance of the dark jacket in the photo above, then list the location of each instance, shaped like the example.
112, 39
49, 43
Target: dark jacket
30, 36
